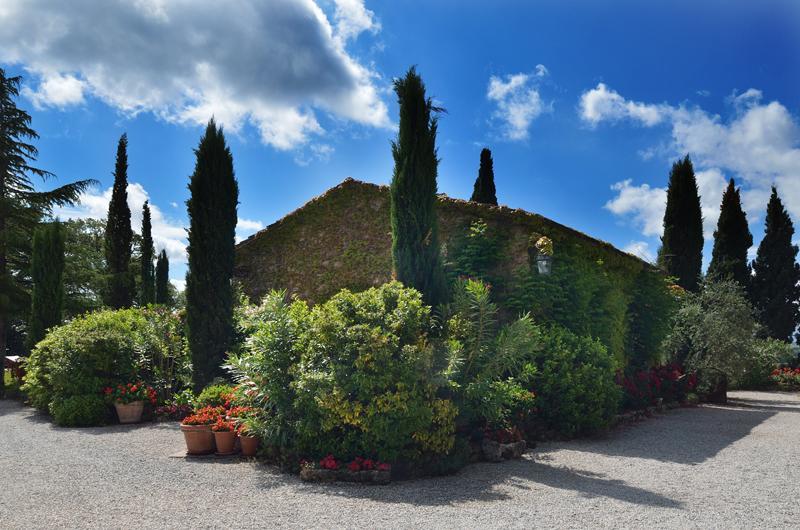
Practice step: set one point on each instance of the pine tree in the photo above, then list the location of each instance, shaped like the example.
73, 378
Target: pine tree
162, 279
732, 239
415, 243
775, 290
214, 195
119, 235
147, 254
47, 275
21, 206
681, 253
484, 190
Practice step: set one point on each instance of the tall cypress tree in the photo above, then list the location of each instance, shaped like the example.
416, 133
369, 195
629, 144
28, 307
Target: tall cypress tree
484, 190
119, 235
162, 279
47, 272
21, 206
681, 253
147, 253
415, 240
214, 195
732, 239
775, 288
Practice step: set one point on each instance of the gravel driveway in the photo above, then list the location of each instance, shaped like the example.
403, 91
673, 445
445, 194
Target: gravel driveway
711, 466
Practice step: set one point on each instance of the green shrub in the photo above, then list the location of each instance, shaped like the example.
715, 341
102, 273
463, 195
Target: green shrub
575, 388
80, 411
365, 382
765, 356
214, 396
97, 350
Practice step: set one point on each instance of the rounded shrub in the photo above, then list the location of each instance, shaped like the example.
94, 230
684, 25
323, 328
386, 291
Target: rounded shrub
575, 387
72, 365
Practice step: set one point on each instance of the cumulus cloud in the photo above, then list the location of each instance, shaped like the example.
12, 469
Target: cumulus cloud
517, 102
758, 144
274, 64
168, 234
643, 203
246, 227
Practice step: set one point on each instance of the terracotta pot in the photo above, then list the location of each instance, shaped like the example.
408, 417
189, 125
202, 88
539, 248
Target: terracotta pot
226, 441
249, 445
130, 412
199, 439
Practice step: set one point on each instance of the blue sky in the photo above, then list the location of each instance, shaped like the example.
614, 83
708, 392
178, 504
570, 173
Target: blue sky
584, 104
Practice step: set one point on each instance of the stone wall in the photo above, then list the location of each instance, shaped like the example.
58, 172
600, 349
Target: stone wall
343, 239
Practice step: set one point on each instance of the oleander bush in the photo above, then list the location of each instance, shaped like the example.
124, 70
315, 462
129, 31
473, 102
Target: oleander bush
72, 365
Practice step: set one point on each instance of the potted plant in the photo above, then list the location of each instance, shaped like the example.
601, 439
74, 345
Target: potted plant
248, 435
224, 436
197, 430
129, 400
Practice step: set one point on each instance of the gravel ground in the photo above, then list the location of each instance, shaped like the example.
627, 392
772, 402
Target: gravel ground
711, 466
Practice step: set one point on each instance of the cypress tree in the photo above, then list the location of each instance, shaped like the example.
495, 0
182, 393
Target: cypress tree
214, 195
21, 206
775, 288
147, 253
484, 190
681, 253
732, 238
47, 272
416, 258
162, 279
119, 235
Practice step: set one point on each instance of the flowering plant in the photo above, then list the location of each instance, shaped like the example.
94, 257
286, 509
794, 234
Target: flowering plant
204, 416
173, 411
357, 464
130, 393
786, 376
223, 425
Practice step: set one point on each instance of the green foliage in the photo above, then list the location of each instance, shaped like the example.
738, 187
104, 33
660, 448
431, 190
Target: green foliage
416, 256
575, 388
119, 235
103, 349
649, 317
713, 332
476, 254
732, 239
681, 252
365, 384
22, 207
80, 411
162, 294
267, 364
484, 189
581, 295
765, 356
212, 223
47, 269
214, 396
148, 294
84, 266
776, 284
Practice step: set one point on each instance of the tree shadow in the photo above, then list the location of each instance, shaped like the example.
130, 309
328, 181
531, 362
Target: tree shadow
686, 436
32, 415
768, 405
479, 482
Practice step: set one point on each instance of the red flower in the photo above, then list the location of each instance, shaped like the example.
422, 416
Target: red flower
383, 466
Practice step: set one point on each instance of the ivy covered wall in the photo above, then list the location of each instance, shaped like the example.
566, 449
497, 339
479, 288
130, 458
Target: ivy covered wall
343, 239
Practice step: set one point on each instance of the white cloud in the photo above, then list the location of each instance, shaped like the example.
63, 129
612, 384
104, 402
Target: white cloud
179, 284
246, 227
758, 145
272, 64
601, 103
640, 249
645, 204
56, 90
168, 234
518, 102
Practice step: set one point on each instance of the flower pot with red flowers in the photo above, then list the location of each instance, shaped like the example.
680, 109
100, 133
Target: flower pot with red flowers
224, 436
129, 400
197, 430
248, 424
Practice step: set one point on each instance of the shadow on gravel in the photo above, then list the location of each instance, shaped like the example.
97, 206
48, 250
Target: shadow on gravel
767, 405
689, 436
478, 483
